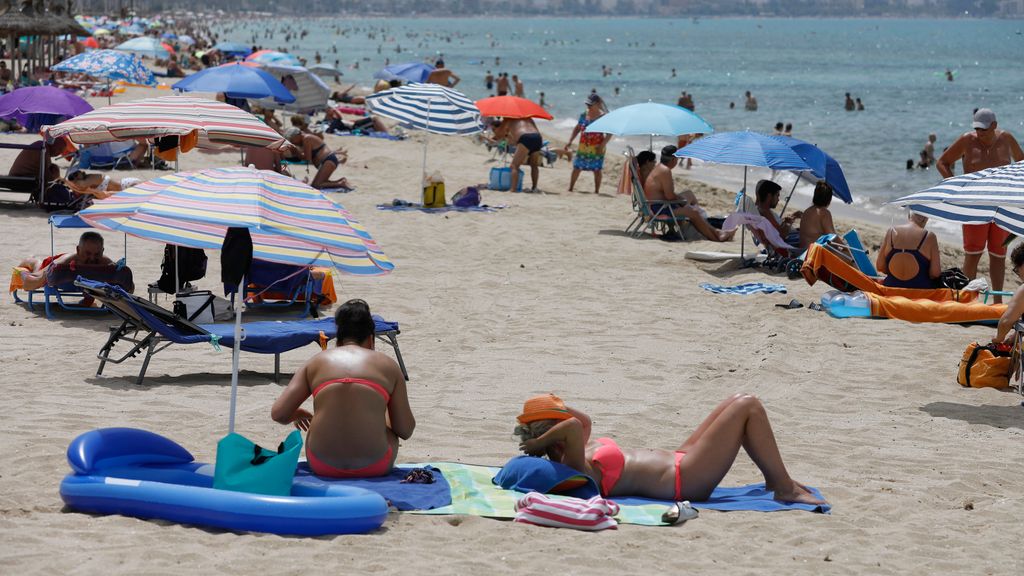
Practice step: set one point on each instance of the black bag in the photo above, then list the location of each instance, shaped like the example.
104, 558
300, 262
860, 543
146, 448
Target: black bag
191, 266
57, 196
954, 279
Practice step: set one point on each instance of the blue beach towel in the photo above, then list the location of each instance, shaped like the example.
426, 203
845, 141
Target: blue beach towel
752, 497
403, 496
414, 207
744, 289
369, 134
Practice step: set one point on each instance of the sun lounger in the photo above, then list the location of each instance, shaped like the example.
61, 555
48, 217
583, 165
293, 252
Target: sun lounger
33, 185
150, 329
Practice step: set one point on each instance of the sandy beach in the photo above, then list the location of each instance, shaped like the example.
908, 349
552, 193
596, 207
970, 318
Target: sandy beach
544, 295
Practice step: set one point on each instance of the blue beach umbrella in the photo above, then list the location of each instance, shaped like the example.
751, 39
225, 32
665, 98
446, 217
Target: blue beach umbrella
650, 119
109, 65
822, 166
236, 80
273, 57
993, 195
144, 46
233, 48
745, 149
410, 72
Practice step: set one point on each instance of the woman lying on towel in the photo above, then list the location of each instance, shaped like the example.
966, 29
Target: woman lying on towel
360, 403
97, 185
909, 256
691, 472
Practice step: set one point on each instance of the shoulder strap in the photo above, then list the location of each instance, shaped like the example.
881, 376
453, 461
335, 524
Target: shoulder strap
921, 243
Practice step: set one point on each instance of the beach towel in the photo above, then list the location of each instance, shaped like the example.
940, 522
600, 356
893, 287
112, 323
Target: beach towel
368, 134
416, 207
744, 289
404, 496
759, 223
901, 308
589, 515
474, 494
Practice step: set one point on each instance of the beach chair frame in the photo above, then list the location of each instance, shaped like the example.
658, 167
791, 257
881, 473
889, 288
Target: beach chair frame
645, 218
151, 329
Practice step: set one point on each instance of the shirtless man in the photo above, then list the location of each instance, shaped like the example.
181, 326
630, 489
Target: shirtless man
89, 251
528, 141
659, 188
502, 84
5, 76
360, 402
442, 76
26, 163
816, 221
985, 147
518, 86
750, 104
767, 195
929, 149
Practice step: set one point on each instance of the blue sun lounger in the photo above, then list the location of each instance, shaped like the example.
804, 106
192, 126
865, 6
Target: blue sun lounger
150, 329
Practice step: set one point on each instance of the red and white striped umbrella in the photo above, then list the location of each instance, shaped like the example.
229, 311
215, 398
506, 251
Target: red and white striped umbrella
215, 121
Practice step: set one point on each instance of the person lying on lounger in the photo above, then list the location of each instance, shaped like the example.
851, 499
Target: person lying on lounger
315, 151
97, 185
360, 402
547, 427
89, 251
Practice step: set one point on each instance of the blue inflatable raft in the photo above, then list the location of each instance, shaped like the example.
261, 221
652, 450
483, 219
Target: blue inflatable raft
138, 473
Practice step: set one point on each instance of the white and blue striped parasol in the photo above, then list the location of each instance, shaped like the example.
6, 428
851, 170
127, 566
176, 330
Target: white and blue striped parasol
992, 195
428, 107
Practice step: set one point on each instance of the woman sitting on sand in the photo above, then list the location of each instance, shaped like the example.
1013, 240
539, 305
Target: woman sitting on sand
315, 151
909, 256
691, 472
360, 402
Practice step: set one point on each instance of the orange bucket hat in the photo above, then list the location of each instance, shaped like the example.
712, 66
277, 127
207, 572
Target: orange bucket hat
543, 407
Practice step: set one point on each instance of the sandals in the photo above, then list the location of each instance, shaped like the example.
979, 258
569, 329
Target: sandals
793, 304
679, 512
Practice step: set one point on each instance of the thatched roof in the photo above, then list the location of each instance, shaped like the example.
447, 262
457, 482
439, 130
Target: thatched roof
29, 20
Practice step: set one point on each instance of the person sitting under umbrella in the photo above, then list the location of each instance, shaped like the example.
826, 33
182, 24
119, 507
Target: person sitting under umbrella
660, 189
315, 151
360, 402
97, 185
88, 252
26, 163
816, 221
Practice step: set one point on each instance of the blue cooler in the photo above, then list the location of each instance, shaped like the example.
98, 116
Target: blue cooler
501, 179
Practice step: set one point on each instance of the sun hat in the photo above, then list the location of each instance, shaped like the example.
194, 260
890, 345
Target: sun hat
984, 118
543, 407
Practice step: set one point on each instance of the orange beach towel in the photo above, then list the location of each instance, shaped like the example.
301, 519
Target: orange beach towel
948, 312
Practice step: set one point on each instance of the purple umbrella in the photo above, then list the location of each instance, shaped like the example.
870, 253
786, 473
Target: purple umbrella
35, 106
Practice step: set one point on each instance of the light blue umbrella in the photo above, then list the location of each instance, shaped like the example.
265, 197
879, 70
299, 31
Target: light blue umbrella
108, 64
144, 46
236, 80
992, 195
745, 149
273, 57
186, 40
410, 72
650, 119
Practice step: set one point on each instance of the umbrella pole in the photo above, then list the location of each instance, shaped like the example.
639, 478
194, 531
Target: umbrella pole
790, 197
177, 281
235, 351
743, 206
423, 177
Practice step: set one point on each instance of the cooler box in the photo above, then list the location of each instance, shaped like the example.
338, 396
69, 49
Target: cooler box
501, 179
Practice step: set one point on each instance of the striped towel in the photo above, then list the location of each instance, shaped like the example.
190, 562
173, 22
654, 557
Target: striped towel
590, 515
748, 288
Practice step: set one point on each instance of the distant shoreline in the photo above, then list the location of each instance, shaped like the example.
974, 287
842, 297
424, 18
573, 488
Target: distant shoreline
505, 16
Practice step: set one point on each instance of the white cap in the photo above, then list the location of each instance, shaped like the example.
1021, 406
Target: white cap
984, 118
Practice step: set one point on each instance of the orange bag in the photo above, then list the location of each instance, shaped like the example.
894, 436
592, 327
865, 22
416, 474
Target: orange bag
984, 366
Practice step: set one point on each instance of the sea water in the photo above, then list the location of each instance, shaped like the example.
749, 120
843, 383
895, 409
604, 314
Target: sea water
799, 71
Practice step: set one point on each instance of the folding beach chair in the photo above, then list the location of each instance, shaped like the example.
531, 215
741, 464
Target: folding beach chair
106, 156
278, 285
647, 218
150, 329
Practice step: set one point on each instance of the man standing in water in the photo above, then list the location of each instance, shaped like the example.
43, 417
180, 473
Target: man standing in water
985, 147
442, 76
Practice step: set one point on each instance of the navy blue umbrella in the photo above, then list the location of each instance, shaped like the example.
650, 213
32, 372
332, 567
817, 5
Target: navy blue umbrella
822, 166
236, 80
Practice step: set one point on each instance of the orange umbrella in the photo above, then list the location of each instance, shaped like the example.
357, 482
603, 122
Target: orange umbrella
511, 107
168, 47
90, 42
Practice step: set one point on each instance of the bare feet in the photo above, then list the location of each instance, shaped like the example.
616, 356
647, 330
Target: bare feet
797, 493
726, 236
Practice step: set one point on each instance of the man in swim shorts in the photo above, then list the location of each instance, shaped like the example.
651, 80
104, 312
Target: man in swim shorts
89, 251
528, 142
984, 147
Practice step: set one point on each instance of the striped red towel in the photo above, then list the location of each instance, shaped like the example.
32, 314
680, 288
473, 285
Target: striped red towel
543, 510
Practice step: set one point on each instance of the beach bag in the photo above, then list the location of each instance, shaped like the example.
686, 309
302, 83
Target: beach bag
243, 466
467, 197
954, 279
433, 192
501, 179
196, 306
984, 366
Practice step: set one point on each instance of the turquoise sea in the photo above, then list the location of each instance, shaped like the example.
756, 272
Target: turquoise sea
799, 71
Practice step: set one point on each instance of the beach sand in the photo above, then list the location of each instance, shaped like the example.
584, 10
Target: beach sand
546, 295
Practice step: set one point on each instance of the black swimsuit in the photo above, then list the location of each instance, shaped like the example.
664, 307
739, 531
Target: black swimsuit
532, 141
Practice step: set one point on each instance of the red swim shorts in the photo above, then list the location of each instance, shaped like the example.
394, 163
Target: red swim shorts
977, 235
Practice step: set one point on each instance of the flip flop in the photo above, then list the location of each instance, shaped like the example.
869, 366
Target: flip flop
794, 303
679, 513
815, 306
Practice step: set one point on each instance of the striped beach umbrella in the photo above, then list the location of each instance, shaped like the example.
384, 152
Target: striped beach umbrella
289, 221
428, 107
992, 195
216, 123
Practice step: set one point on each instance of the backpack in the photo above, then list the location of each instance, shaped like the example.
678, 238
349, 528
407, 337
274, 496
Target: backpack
984, 366
191, 266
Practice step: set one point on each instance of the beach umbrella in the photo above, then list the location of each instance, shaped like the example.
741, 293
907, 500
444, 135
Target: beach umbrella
109, 65
236, 48
215, 122
993, 195
309, 90
823, 166
26, 104
745, 149
325, 70
101, 32
289, 222
272, 57
409, 72
144, 46
186, 40
650, 119
429, 107
236, 81
91, 42
511, 107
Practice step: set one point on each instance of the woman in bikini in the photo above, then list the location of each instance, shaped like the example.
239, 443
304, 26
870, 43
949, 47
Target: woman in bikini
315, 151
97, 185
547, 427
360, 402
909, 256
